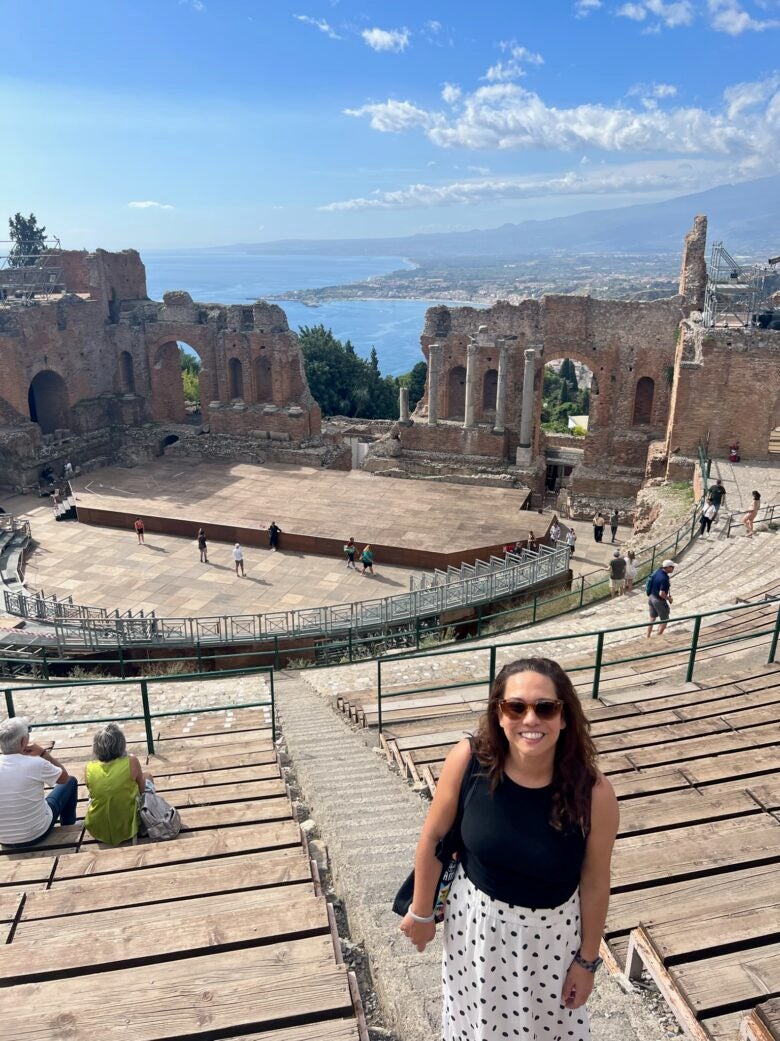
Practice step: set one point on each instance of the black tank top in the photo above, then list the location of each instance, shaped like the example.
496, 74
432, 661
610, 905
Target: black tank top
512, 852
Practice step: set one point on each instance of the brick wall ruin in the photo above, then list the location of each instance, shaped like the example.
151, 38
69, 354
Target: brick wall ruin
101, 356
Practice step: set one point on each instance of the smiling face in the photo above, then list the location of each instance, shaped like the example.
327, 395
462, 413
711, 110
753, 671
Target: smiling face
530, 737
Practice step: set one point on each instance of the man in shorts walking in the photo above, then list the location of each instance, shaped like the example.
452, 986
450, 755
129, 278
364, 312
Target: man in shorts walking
659, 596
617, 575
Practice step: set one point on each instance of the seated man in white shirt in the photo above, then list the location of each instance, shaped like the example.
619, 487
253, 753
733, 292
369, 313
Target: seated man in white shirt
27, 814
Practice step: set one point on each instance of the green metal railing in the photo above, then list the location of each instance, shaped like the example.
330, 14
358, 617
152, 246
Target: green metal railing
694, 648
353, 647
146, 713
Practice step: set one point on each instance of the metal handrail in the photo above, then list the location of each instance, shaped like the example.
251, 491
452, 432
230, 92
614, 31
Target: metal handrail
692, 650
146, 714
75, 625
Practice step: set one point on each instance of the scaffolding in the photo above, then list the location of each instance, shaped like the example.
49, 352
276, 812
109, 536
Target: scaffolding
28, 277
734, 293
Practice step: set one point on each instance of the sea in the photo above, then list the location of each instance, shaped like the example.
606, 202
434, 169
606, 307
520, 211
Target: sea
210, 276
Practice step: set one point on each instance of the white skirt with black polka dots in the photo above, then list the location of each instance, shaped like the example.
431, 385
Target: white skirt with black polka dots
504, 966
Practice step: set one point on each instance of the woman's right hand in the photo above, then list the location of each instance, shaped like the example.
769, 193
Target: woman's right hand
420, 933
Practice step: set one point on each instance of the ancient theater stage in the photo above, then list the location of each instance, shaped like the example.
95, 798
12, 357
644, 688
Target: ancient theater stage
410, 523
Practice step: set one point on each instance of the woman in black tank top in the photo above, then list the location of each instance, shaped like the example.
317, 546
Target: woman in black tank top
524, 917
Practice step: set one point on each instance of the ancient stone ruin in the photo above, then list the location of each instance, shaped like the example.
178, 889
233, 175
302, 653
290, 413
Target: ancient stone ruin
91, 374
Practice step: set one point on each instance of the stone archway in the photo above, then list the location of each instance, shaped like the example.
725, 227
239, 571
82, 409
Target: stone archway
235, 380
167, 386
48, 402
643, 401
264, 388
456, 393
126, 373
489, 390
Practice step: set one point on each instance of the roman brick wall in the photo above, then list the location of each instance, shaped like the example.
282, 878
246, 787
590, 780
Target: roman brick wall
620, 342
727, 388
452, 439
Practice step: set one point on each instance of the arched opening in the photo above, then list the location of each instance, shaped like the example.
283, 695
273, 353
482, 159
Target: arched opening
47, 400
489, 390
170, 439
456, 393
264, 388
176, 369
567, 408
235, 379
126, 373
643, 402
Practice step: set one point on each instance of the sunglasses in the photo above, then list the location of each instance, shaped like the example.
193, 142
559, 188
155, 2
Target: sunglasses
516, 709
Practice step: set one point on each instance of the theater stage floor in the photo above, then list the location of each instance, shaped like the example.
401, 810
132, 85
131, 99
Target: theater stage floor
316, 509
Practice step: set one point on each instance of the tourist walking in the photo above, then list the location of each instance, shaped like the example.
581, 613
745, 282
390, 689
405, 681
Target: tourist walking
531, 543
617, 575
614, 520
598, 526
708, 515
571, 541
350, 552
659, 596
525, 914
238, 558
631, 570
555, 530
367, 560
751, 515
718, 495
203, 546
274, 531
139, 530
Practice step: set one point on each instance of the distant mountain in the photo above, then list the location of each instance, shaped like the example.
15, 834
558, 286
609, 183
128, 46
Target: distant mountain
745, 216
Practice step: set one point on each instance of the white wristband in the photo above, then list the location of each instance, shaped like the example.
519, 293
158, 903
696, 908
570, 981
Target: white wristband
422, 919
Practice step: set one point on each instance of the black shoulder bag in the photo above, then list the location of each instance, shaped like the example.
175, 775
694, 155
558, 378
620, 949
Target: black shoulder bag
448, 852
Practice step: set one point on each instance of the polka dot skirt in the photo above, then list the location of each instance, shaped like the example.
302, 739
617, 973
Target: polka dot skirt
504, 966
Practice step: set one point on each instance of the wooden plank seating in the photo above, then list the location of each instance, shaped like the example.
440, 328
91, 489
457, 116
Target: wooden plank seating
763, 1023
221, 932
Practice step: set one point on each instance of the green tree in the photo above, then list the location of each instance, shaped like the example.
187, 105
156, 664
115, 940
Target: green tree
29, 241
344, 383
569, 373
190, 375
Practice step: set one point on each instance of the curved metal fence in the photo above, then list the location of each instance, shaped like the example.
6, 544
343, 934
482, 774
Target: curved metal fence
75, 625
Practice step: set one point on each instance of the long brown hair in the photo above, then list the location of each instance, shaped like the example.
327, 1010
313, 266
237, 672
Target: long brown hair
574, 767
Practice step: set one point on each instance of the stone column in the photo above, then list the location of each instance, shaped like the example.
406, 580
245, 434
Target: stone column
403, 404
471, 384
498, 427
434, 364
527, 414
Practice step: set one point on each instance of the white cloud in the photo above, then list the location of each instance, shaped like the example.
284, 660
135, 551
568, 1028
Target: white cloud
634, 11
149, 204
582, 8
729, 16
651, 93
434, 26
393, 40
672, 13
450, 93
392, 117
632, 178
318, 23
507, 117
513, 67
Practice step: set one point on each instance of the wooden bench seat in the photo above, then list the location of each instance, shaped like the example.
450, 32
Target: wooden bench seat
763, 1023
213, 995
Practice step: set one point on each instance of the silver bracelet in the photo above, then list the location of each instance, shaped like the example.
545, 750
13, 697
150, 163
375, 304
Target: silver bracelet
422, 919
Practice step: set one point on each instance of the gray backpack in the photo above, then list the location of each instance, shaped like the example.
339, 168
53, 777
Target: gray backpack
157, 820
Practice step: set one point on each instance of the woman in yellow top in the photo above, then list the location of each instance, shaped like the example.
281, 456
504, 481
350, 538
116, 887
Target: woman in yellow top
114, 780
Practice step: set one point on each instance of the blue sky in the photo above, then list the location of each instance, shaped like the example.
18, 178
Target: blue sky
167, 123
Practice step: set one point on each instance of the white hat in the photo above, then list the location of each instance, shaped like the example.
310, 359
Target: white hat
616, 553
668, 563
